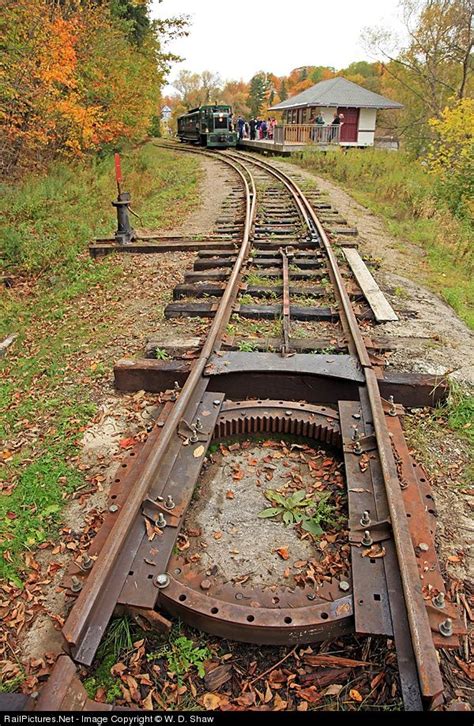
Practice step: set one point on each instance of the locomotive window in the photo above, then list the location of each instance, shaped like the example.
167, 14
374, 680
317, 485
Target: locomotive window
220, 122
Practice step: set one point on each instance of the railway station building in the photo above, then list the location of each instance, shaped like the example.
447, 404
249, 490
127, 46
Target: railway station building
358, 105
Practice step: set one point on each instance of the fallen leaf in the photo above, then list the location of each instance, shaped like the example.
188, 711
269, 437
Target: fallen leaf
355, 695
283, 552
150, 530
279, 704
127, 443
118, 669
375, 681
199, 451
229, 494
147, 702
217, 535
375, 552
333, 690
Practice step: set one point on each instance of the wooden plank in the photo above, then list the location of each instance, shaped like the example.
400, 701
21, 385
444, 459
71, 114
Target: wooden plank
382, 309
152, 245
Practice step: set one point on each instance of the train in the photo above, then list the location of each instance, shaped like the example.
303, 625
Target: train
209, 126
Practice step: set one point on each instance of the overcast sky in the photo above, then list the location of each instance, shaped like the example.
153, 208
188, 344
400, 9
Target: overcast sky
236, 39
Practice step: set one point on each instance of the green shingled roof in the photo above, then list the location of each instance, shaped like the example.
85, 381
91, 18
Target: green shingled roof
337, 92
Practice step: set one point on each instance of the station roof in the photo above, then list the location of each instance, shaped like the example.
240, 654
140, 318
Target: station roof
337, 92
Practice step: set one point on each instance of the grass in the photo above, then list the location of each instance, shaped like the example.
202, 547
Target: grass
118, 639
178, 653
401, 191
459, 411
48, 376
456, 417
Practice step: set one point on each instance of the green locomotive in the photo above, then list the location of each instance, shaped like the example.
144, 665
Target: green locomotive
209, 126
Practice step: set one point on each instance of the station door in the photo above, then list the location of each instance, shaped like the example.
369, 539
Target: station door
350, 126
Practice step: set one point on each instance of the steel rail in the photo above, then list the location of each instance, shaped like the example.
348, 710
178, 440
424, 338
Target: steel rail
349, 321
424, 650
76, 622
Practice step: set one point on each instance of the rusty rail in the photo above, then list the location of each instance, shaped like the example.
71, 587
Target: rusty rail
76, 624
429, 674
89, 600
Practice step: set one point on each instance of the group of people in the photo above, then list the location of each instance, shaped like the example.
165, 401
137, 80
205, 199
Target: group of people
258, 129
319, 122
255, 129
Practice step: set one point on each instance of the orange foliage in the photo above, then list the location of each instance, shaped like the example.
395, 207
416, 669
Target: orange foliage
73, 82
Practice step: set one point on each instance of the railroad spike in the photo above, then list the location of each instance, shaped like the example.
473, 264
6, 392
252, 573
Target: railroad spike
446, 628
169, 504
86, 562
76, 584
392, 410
439, 600
367, 539
161, 521
365, 519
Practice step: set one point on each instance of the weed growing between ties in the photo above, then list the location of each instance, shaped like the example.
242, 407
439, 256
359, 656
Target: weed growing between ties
416, 207
313, 513
62, 305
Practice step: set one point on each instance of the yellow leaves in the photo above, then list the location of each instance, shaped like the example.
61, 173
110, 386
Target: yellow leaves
454, 144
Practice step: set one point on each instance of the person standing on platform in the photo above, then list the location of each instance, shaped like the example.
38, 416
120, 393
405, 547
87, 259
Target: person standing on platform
252, 127
334, 126
319, 123
240, 127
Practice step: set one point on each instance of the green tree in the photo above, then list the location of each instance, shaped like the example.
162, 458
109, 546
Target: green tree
259, 87
283, 90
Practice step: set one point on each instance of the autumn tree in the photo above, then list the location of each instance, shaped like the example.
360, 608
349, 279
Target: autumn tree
451, 155
365, 74
77, 75
434, 69
235, 94
197, 89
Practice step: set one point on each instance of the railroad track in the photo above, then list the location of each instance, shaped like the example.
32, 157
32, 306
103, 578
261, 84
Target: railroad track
278, 276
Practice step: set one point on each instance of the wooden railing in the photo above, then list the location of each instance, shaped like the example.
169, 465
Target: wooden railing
306, 134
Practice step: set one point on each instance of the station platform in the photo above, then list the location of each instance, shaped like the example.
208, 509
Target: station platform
268, 146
